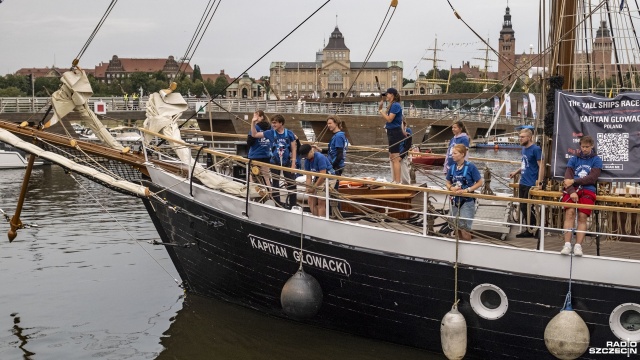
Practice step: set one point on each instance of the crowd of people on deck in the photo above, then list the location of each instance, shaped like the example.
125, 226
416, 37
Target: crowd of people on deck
270, 142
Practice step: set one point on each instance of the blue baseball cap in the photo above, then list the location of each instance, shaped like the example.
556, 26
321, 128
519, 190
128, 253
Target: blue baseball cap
391, 91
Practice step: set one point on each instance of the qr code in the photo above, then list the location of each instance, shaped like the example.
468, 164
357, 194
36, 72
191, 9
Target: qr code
613, 146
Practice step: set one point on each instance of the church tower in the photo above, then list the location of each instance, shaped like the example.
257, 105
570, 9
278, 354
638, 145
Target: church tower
602, 51
507, 48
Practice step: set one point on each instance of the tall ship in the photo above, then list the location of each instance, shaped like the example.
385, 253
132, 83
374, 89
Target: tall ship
377, 261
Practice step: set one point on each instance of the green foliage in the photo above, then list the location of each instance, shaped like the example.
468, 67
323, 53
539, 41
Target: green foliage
11, 91
219, 86
45, 86
441, 74
197, 74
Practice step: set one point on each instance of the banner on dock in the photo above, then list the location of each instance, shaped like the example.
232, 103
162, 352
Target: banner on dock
534, 107
614, 125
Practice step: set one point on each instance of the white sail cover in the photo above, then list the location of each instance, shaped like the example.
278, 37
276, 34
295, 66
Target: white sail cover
73, 95
9, 138
163, 111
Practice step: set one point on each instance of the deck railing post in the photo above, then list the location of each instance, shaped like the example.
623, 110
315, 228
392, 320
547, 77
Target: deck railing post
424, 214
541, 231
326, 199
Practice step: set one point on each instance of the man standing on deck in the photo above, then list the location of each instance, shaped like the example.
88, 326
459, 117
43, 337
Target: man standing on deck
580, 178
530, 177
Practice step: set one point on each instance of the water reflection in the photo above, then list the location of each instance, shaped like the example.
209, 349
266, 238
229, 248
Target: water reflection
212, 329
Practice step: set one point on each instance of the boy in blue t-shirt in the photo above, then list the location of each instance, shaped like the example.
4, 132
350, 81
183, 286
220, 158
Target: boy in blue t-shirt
579, 183
283, 150
316, 162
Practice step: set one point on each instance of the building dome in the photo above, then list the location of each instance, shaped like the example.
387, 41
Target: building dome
336, 41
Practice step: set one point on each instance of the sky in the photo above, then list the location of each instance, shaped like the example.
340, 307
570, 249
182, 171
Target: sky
37, 33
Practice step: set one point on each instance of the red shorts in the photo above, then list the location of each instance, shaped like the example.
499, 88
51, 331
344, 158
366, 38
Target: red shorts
584, 197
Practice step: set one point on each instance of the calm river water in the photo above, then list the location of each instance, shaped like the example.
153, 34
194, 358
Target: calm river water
85, 284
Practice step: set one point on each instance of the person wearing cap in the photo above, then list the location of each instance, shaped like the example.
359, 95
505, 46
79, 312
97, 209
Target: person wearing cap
316, 162
395, 136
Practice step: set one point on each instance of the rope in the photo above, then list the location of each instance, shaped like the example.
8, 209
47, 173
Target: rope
567, 301
122, 226
455, 266
374, 45
254, 63
207, 17
301, 235
95, 31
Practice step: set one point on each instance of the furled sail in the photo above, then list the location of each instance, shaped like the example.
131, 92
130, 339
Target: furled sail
9, 138
73, 95
163, 110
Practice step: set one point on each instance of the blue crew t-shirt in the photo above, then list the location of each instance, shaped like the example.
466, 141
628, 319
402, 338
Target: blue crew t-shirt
582, 167
339, 140
319, 163
261, 148
280, 146
529, 168
397, 121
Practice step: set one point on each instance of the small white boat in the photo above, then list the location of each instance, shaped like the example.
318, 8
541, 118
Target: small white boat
10, 159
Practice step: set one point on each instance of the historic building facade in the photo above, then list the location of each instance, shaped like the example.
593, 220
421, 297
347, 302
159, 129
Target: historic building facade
333, 74
120, 68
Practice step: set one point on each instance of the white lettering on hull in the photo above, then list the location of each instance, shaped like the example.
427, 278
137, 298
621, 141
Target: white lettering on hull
316, 260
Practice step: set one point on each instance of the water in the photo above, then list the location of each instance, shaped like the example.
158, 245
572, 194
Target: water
500, 171
86, 284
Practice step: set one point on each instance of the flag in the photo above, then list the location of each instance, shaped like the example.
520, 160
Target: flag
525, 105
621, 5
507, 105
534, 108
496, 104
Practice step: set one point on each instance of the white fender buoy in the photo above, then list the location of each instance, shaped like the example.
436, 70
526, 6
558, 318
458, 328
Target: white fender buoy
566, 336
453, 334
301, 296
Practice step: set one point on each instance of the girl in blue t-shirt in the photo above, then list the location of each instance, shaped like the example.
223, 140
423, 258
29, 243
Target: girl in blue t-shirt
463, 177
337, 145
459, 137
260, 149
393, 118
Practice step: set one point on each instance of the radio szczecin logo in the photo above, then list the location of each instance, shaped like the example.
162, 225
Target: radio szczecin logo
616, 348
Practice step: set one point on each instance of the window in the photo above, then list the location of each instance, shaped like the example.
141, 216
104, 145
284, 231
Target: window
288, 86
303, 86
335, 76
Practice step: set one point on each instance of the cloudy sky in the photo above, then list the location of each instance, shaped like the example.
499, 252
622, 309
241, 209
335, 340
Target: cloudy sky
37, 33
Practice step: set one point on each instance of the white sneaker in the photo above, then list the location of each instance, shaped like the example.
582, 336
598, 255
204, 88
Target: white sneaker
577, 250
566, 249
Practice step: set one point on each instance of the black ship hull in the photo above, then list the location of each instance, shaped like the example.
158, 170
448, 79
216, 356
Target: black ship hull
375, 294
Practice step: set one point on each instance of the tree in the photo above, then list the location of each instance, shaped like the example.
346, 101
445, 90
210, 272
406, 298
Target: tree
219, 86
11, 91
441, 74
197, 74
406, 81
45, 86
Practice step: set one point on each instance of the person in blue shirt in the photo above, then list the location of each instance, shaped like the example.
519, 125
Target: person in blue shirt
283, 153
260, 149
405, 146
316, 162
463, 177
529, 178
580, 180
393, 118
337, 145
459, 137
